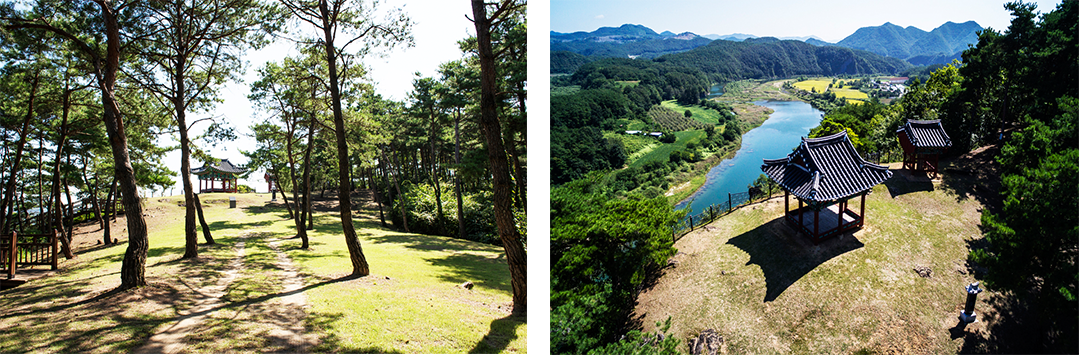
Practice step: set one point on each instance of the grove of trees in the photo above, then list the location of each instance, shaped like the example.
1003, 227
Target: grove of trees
90, 86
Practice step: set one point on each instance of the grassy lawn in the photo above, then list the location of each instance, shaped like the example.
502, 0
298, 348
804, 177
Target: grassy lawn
766, 289
411, 302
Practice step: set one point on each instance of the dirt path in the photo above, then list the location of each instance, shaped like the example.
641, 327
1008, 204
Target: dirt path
170, 339
292, 334
284, 329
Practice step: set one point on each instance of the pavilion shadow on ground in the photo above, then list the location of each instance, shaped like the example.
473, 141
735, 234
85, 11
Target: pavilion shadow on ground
905, 181
785, 255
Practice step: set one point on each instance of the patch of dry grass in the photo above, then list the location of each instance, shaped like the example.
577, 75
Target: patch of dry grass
766, 289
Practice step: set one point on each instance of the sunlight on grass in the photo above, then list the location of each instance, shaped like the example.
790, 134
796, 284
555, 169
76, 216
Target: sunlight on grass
411, 303
765, 289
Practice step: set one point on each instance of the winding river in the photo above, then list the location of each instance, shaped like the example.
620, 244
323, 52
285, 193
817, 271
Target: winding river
774, 139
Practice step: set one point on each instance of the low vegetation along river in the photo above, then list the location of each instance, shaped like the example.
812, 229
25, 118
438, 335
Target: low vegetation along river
774, 139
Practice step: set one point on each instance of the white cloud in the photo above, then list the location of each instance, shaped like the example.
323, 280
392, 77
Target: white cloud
598, 17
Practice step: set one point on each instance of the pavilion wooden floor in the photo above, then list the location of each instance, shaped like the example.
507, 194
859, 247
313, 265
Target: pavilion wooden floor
828, 219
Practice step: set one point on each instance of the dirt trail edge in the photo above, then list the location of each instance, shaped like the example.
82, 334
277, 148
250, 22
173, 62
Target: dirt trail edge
169, 340
283, 333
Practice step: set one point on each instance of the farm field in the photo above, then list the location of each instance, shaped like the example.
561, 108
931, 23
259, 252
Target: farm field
700, 114
818, 85
661, 152
674, 121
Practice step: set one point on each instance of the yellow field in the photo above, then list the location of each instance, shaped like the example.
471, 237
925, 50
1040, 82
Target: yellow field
850, 94
820, 84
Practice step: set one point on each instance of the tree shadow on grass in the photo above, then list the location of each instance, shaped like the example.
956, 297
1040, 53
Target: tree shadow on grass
428, 242
482, 270
975, 175
785, 256
491, 273
503, 332
220, 225
1015, 324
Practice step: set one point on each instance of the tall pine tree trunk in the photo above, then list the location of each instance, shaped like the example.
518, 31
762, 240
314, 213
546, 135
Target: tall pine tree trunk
133, 267
352, 241
496, 156
65, 243
301, 231
109, 206
307, 178
7, 203
191, 207
202, 221
457, 175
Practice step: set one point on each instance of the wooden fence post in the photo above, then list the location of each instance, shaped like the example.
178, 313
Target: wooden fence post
690, 223
730, 206
12, 255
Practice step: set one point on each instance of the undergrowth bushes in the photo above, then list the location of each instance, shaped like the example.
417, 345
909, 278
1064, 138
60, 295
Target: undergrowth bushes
419, 203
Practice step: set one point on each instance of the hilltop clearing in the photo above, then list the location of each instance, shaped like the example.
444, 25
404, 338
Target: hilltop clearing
895, 286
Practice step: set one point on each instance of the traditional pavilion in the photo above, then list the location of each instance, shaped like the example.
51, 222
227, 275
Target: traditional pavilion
824, 174
219, 177
923, 142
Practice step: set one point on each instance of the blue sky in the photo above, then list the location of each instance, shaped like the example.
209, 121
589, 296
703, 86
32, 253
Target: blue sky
831, 20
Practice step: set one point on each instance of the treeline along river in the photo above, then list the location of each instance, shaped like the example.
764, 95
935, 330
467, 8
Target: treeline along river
774, 139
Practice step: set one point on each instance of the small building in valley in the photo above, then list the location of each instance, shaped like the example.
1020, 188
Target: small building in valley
923, 143
219, 177
824, 174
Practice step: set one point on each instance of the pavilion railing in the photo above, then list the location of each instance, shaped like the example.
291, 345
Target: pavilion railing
28, 249
735, 200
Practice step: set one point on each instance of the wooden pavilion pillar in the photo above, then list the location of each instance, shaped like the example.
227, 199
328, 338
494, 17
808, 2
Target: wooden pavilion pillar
800, 222
861, 218
816, 224
842, 210
786, 203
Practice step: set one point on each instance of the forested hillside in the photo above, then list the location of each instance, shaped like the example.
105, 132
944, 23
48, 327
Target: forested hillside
616, 94
905, 43
772, 58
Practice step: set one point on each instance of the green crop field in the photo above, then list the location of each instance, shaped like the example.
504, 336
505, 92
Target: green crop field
663, 151
700, 113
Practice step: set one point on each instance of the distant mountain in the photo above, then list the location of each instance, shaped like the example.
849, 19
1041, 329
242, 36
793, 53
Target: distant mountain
625, 41
910, 42
738, 37
769, 57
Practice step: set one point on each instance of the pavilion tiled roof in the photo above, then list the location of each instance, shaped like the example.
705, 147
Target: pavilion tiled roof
825, 169
926, 134
223, 166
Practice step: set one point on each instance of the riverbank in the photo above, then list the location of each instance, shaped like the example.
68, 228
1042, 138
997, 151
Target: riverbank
740, 95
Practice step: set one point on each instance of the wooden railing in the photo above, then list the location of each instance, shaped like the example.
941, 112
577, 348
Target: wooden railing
32, 249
